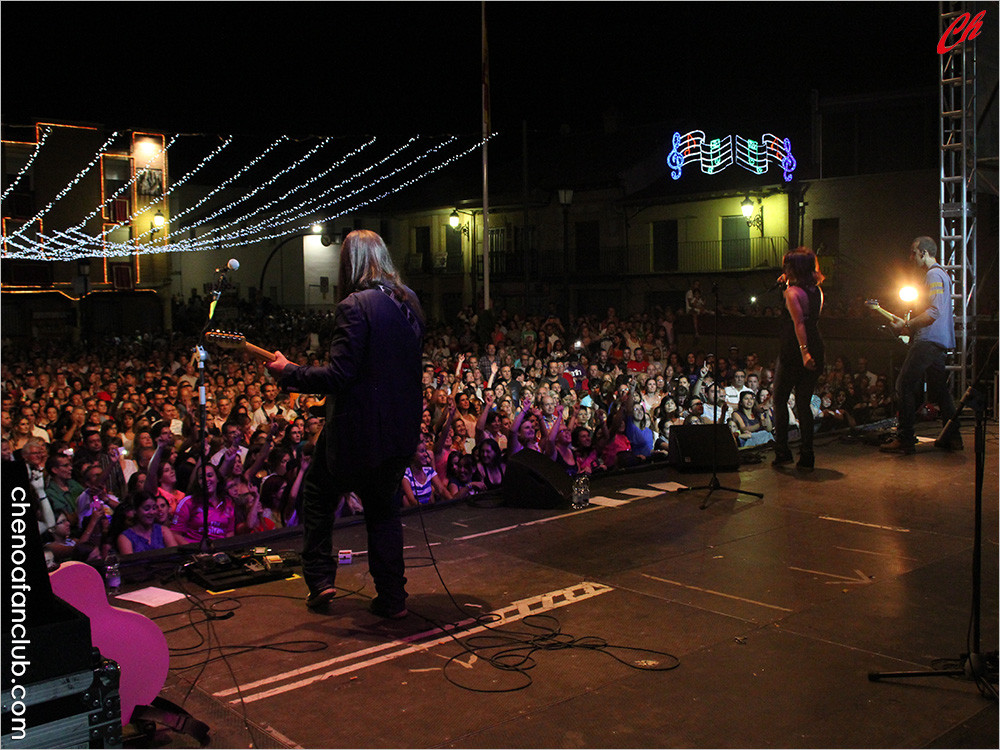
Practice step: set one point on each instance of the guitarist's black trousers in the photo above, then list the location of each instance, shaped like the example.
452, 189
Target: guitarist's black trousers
924, 358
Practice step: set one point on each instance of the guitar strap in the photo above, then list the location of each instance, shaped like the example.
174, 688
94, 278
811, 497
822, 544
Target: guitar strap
406, 311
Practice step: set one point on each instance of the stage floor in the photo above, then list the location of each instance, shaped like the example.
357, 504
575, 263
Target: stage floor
772, 612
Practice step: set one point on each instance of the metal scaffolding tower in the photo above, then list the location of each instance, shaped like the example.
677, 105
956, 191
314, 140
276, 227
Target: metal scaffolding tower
958, 187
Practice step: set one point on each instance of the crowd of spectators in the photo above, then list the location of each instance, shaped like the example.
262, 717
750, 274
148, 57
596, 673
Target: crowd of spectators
111, 432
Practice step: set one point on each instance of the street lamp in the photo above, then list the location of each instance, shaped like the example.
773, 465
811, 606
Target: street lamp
747, 207
158, 221
455, 221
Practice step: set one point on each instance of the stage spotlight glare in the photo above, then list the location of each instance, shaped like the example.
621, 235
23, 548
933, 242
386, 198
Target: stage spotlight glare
908, 294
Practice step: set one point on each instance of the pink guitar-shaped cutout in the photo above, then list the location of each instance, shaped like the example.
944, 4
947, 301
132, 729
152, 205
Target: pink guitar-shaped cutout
132, 640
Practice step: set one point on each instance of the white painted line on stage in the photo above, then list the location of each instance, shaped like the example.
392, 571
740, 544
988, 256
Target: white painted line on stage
861, 523
515, 611
717, 593
343, 657
872, 552
526, 523
858, 577
486, 533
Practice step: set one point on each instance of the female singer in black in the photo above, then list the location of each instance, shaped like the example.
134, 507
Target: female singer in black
800, 360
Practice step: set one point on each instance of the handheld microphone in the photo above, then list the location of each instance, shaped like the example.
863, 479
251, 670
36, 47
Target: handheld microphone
779, 283
232, 265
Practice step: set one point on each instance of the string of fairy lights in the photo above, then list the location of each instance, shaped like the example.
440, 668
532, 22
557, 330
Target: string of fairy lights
43, 136
301, 186
292, 224
18, 233
125, 187
239, 209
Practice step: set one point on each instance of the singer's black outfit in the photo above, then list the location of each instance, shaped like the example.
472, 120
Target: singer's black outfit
372, 428
792, 376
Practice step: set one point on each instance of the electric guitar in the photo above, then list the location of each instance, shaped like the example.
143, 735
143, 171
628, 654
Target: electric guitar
230, 340
874, 305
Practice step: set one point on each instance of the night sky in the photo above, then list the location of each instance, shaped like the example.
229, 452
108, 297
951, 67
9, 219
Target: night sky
331, 68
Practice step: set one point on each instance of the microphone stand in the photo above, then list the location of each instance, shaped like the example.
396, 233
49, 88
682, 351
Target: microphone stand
221, 283
714, 483
977, 666
206, 544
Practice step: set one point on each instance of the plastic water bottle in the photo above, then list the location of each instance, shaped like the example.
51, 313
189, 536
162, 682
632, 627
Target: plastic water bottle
112, 574
581, 491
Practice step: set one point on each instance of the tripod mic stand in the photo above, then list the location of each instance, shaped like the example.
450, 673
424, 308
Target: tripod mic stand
981, 668
714, 483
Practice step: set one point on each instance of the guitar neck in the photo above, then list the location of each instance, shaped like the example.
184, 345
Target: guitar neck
887, 314
256, 351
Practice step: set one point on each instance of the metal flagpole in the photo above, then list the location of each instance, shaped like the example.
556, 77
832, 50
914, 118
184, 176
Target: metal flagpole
486, 190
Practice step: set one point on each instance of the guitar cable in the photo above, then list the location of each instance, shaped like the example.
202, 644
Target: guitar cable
509, 650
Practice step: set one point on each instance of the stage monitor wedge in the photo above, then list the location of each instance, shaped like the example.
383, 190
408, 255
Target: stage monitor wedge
691, 448
535, 481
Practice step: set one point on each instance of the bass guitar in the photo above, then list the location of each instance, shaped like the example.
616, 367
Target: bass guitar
231, 340
873, 304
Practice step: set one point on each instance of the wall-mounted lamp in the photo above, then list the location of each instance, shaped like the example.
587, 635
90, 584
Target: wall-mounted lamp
325, 237
158, 221
455, 222
747, 207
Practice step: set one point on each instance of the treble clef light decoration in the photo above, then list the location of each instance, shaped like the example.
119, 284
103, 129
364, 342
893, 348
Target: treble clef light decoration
788, 163
715, 155
674, 160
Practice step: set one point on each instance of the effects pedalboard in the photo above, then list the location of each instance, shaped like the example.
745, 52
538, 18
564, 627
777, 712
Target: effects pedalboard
223, 571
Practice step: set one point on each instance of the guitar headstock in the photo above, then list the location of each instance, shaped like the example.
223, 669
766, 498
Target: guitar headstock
872, 303
226, 339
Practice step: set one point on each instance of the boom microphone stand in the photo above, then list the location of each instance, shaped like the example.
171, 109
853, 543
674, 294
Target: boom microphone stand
713, 483
975, 665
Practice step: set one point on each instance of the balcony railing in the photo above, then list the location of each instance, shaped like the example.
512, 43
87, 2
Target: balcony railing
708, 256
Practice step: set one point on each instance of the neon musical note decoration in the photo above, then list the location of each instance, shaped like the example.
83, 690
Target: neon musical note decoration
716, 155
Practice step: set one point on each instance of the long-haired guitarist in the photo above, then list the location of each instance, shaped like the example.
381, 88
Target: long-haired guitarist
933, 334
373, 420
